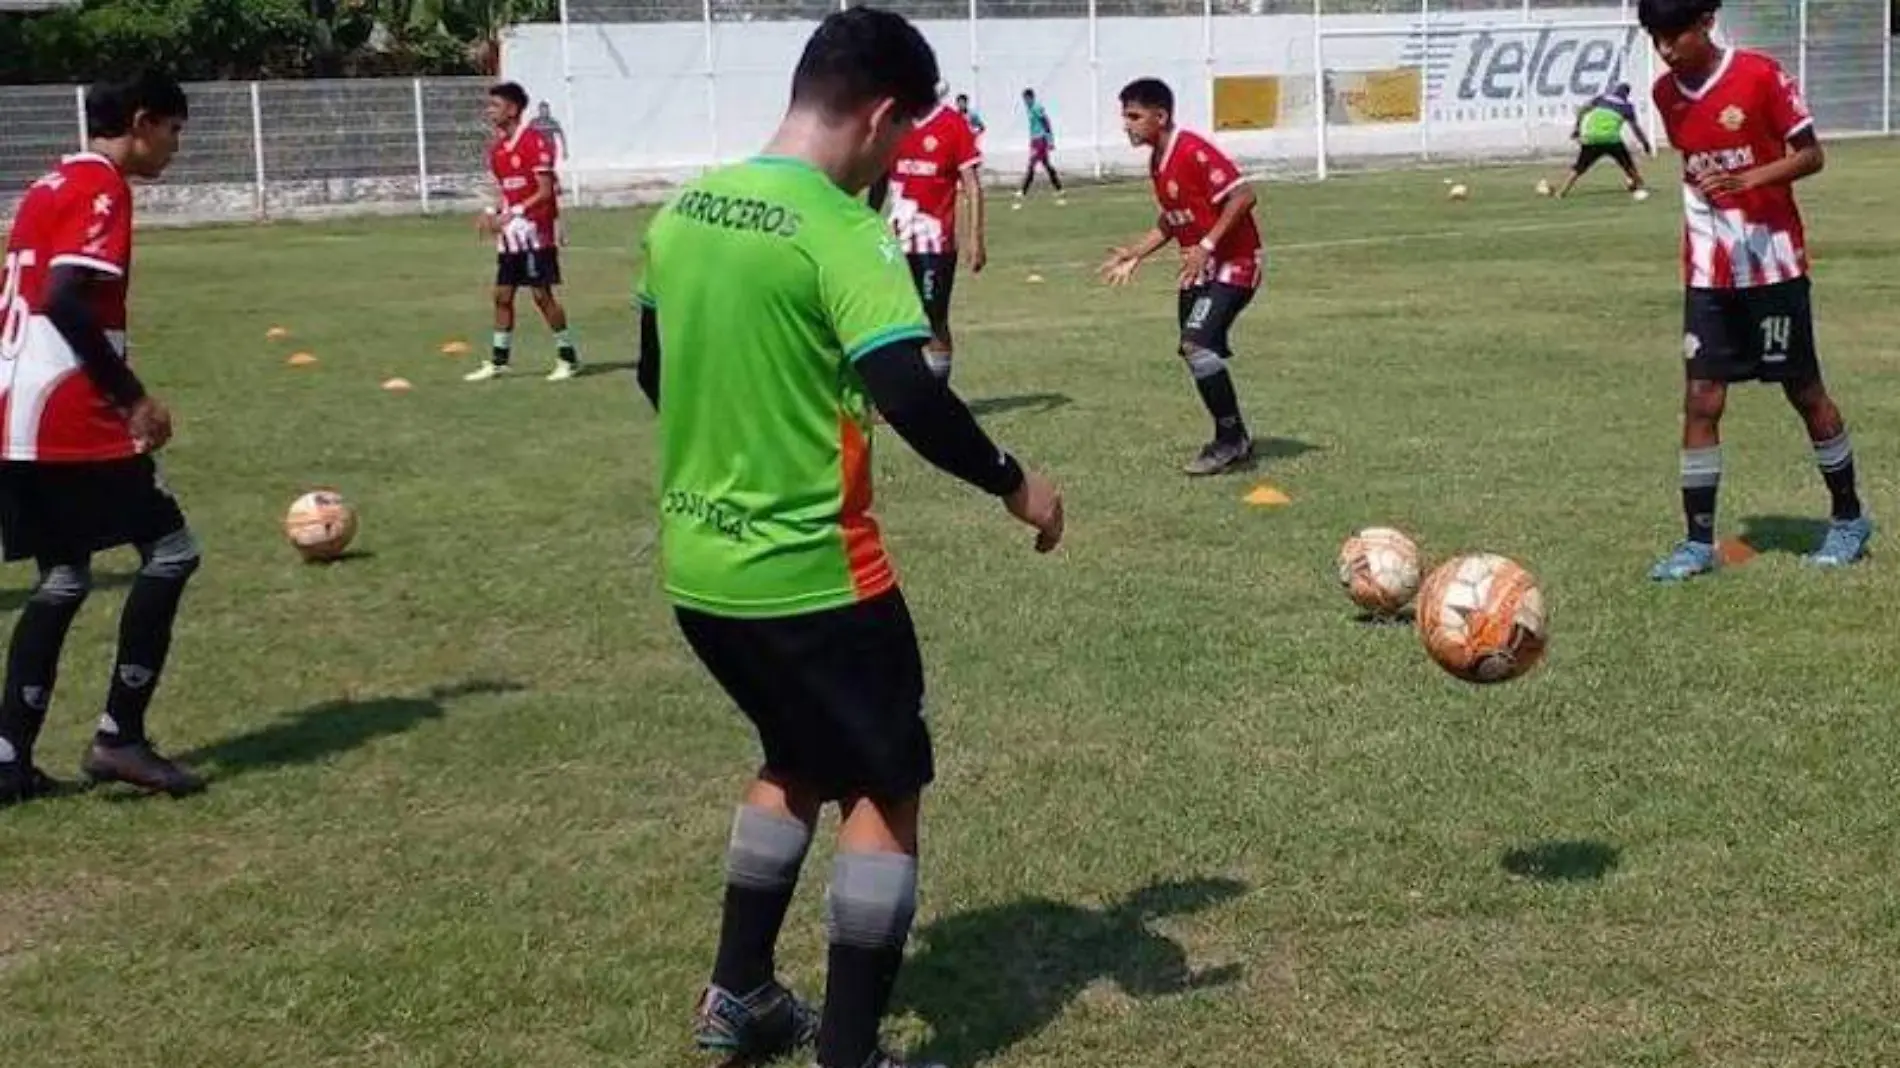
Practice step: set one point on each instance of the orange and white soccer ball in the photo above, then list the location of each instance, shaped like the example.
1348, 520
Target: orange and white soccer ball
1482, 617
1378, 567
320, 524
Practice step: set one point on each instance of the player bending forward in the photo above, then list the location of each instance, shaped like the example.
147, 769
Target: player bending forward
771, 556
1207, 207
524, 223
937, 158
76, 474
1745, 136
1599, 134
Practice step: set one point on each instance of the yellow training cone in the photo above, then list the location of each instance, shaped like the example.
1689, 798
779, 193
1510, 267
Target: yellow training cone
1264, 495
301, 359
397, 385
455, 348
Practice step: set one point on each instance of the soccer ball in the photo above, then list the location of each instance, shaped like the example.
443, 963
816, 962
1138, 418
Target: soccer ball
1482, 618
1639, 195
320, 524
1543, 187
1378, 567
1458, 192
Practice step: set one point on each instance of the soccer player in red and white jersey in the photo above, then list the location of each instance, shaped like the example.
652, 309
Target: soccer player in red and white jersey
1746, 136
524, 223
1207, 208
937, 159
77, 430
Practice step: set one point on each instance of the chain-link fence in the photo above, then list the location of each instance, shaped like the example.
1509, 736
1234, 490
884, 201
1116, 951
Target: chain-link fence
640, 93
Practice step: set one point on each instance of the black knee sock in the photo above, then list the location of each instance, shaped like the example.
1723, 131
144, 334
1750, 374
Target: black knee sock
1054, 179
1835, 457
872, 899
762, 862
1216, 386
1701, 481
32, 670
145, 639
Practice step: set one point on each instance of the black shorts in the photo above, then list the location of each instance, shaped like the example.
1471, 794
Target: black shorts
1207, 313
1765, 333
837, 696
1588, 155
936, 275
539, 269
63, 513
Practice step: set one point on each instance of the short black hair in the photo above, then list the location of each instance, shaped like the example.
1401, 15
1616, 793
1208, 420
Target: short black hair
512, 92
112, 105
1149, 93
864, 54
1674, 16
961, 97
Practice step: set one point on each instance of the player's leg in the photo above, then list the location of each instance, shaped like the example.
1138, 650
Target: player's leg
869, 679
937, 276
1048, 164
1786, 321
1717, 353
1587, 157
168, 556
37, 523
510, 274
1632, 178
745, 1011
568, 361
1207, 314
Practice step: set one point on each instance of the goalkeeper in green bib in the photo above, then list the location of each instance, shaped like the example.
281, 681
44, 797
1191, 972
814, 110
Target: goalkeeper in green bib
1599, 132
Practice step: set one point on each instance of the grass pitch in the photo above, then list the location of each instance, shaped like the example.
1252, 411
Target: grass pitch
470, 789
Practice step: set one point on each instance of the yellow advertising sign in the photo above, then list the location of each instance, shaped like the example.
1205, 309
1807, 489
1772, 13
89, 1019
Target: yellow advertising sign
1372, 97
1246, 101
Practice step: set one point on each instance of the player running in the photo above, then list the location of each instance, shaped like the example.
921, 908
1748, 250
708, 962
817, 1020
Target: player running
938, 157
779, 576
1042, 142
1207, 207
1746, 136
969, 114
1599, 132
76, 472
524, 224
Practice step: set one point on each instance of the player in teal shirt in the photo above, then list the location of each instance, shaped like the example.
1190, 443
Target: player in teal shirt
969, 114
1599, 132
1042, 141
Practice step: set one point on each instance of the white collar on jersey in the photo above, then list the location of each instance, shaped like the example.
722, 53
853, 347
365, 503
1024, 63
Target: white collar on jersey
1721, 68
1167, 150
89, 157
521, 126
934, 112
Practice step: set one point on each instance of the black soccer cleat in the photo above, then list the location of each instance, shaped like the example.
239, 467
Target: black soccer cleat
761, 1026
1218, 456
138, 764
20, 783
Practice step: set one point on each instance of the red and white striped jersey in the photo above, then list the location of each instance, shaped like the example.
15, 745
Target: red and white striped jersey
924, 180
516, 160
1192, 178
1740, 118
81, 216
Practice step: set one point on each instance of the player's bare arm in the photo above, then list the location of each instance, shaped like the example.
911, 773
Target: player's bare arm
974, 240
880, 192
1124, 260
1239, 202
1806, 160
69, 309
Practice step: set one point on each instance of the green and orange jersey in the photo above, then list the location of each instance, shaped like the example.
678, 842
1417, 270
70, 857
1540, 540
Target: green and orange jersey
768, 282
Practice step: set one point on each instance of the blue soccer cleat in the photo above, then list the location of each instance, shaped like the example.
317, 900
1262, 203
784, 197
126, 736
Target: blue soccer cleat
1846, 543
1687, 560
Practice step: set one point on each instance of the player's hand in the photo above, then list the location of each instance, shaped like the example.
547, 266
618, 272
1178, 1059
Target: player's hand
979, 256
488, 224
1038, 503
1724, 183
1120, 267
1193, 266
150, 423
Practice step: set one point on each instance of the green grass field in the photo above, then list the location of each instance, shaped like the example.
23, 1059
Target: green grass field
471, 791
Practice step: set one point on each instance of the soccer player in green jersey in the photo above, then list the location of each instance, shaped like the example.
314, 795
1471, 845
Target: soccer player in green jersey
1599, 133
775, 309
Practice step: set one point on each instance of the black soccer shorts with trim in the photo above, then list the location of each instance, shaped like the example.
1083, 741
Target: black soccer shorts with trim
936, 275
1588, 155
837, 696
1757, 334
63, 513
1207, 313
533, 269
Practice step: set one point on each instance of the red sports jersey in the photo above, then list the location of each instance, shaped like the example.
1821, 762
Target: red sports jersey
1192, 178
516, 159
924, 178
79, 215
1739, 119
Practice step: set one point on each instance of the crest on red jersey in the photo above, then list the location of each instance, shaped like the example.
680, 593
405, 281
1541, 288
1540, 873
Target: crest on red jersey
1732, 118
930, 142
514, 161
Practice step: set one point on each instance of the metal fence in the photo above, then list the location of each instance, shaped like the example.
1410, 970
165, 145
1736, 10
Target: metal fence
705, 78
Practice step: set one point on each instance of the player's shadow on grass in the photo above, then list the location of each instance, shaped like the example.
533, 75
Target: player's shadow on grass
986, 980
15, 599
1561, 862
1037, 403
1796, 535
608, 367
325, 730
1283, 448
